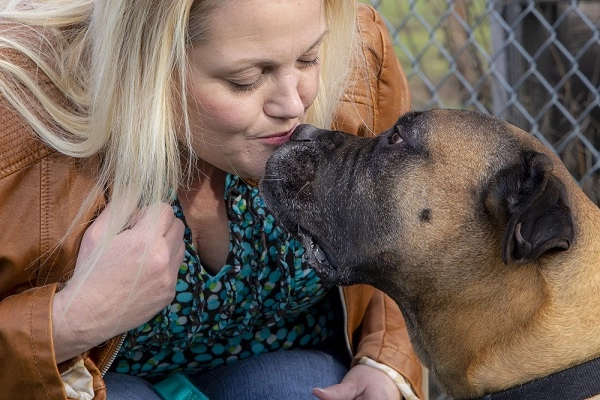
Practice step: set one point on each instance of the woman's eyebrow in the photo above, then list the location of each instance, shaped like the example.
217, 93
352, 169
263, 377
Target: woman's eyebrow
245, 64
319, 40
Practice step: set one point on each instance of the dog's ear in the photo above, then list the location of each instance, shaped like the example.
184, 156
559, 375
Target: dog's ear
532, 203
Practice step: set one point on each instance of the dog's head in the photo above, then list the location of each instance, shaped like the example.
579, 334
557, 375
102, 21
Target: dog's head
435, 191
470, 224
452, 213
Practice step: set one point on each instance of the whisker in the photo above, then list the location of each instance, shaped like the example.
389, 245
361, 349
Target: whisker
302, 188
272, 178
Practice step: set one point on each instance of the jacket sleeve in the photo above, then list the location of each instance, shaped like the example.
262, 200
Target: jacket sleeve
377, 330
34, 260
378, 96
26, 349
38, 191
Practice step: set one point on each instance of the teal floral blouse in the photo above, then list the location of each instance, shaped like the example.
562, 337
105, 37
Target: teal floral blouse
264, 299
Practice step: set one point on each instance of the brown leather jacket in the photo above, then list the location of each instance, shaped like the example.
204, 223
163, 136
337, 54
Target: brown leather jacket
41, 192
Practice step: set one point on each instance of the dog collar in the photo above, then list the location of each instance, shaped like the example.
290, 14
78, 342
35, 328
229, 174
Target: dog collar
576, 383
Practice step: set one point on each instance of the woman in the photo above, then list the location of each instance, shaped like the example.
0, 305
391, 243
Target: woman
134, 243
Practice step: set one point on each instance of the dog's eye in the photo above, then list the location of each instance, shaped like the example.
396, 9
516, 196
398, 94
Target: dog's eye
396, 138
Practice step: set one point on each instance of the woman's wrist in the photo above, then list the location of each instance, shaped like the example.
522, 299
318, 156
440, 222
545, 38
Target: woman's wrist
69, 339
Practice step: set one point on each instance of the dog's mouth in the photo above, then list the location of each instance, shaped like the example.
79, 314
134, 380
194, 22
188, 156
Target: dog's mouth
318, 257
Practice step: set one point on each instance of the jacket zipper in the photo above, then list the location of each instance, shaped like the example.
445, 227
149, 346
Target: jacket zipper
345, 312
114, 354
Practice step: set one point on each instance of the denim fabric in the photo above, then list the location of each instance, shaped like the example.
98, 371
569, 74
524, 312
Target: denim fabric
128, 387
280, 375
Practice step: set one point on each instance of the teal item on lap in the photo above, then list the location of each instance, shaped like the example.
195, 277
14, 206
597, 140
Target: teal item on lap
264, 299
178, 387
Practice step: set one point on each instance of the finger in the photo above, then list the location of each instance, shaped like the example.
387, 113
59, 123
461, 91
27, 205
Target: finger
98, 226
175, 235
157, 218
175, 230
320, 394
101, 219
340, 391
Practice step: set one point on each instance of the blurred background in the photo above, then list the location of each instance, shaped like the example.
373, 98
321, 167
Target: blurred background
533, 63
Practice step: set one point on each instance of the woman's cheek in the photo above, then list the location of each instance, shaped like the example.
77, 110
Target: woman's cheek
309, 87
224, 113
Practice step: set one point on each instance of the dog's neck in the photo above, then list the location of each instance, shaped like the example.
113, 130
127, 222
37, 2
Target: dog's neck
474, 342
456, 333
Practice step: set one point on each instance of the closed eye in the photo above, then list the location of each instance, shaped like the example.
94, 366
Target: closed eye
310, 63
238, 87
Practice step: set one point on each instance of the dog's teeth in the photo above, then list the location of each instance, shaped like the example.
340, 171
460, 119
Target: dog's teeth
320, 255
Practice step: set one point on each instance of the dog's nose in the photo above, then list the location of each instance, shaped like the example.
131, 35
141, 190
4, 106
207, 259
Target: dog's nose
304, 133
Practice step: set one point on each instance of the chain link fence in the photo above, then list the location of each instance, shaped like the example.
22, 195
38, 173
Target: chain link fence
533, 63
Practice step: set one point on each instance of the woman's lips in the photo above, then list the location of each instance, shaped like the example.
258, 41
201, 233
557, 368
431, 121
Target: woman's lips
277, 139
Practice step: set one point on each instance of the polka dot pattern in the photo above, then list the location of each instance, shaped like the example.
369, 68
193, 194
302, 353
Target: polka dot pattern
264, 299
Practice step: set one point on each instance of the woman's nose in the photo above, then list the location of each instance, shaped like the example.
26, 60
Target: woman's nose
285, 101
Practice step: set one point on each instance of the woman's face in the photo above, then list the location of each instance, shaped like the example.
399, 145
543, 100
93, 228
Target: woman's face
252, 80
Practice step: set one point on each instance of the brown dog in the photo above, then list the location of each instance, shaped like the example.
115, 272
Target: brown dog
471, 225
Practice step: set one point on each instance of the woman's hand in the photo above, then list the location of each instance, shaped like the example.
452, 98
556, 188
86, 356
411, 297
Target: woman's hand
361, 383
133, 280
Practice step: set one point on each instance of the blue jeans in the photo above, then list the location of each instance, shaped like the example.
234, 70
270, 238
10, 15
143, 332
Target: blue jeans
281, 375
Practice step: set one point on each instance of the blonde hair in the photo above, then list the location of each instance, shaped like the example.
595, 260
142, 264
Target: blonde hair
121, 66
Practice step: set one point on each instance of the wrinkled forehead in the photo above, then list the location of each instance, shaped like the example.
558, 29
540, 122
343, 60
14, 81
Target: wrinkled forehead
461, 153
472, 141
